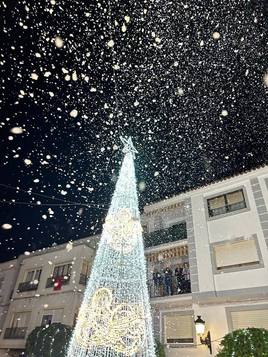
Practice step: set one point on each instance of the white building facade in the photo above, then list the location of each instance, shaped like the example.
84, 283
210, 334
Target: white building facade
8, 275
207, 254
227, 250
48, 288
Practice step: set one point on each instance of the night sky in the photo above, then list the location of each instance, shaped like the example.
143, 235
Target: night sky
186, 79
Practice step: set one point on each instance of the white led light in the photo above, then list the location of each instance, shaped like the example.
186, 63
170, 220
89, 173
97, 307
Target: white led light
115, 319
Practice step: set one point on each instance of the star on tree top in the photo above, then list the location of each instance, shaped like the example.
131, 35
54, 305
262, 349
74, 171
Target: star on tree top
128, 146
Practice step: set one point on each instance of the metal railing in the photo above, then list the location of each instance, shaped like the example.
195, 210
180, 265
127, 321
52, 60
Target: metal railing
15, 333
51, 281
27, 286
161, 287
165, 235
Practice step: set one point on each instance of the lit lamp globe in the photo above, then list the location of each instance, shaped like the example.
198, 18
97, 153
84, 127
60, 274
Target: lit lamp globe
199, 325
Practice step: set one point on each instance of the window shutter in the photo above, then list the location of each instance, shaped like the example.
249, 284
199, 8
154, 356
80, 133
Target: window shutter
235, 197
250, 318
179, 329
216, 202
85, 268
236, 253
29, 276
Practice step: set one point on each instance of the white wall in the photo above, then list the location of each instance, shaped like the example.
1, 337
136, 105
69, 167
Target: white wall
216, 322
8, 271
47, 262
244, 224
37, 302
204, 267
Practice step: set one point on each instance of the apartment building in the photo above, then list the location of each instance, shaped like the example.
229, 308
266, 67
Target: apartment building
48, 288
207, 255
223, 236
8, 275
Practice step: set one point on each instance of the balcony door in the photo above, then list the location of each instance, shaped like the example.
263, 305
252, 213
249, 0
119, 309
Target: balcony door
20, 319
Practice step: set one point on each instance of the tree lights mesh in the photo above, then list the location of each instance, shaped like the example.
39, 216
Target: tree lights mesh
114, 319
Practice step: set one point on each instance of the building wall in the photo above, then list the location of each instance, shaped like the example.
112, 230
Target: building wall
8, 275
168, 217
215, 315
213, 292
209, 231
66, 301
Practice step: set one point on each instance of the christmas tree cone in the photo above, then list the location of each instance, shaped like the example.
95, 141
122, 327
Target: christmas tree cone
115, 319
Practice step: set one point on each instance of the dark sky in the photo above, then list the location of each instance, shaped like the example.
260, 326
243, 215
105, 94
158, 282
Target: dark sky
187, 79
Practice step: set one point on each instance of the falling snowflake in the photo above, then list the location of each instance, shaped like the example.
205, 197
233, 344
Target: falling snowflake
59, 42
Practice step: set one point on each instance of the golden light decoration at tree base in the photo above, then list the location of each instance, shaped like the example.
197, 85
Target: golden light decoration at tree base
104, 323
122, 231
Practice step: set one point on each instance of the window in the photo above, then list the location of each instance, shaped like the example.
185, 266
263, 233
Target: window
85, 268
32, 275
226, 203
85, 272
18, 326
179, 328
52, 316
20, 319
62, 270
61, 276
236, 253
31, 281
245, 317
46, 320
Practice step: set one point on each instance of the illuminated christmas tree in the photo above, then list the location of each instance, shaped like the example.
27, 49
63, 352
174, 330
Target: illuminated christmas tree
114, 319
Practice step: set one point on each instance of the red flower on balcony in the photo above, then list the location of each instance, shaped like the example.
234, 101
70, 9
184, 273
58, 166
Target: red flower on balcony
58, 283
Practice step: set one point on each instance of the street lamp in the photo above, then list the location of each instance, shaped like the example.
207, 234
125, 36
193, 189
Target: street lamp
200, 329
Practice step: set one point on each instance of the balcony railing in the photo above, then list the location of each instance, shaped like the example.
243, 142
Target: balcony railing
167, 235
161, 287
27, 286
83, 279
51, 281
15, 333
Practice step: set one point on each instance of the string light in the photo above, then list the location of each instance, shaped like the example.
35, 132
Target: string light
122, 231
30, 192
104, 323
115, 318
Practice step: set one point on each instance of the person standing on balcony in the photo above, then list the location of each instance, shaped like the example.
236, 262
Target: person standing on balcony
168, 281
186, 278
179, 278
158, 281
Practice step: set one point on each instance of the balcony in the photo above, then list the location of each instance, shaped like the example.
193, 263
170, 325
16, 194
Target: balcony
51, 281
83, 279
161, 287
15, 333
27, 286
167, 235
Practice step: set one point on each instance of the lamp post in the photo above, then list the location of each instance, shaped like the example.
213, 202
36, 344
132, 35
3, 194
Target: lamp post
200, 329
